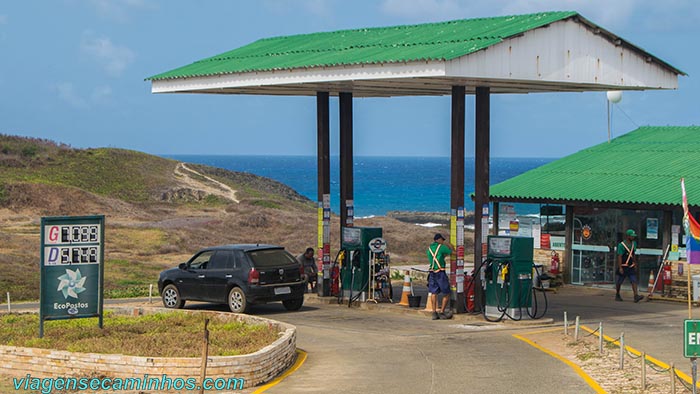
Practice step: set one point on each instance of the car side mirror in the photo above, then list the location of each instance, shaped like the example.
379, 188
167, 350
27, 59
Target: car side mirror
183, 266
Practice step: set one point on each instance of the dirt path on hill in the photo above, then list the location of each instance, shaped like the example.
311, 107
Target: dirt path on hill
185, 175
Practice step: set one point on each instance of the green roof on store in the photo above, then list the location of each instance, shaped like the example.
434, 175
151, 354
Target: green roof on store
423, 42
643, 166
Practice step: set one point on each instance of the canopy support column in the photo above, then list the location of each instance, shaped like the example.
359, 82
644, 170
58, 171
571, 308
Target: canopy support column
482, 148
347, 211
457, 199
324, 196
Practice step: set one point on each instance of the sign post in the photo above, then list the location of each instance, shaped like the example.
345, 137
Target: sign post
691, 347
72, 268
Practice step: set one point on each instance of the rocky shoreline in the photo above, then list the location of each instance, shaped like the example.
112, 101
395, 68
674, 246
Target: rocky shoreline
442, 218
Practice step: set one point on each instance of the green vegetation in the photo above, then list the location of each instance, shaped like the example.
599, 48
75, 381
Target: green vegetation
266, 204
587, 356
172, 334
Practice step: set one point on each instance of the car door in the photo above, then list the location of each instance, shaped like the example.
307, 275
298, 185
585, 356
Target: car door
191, 282
219, 273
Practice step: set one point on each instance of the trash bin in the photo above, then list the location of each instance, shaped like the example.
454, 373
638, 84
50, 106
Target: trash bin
696, 287
414, 301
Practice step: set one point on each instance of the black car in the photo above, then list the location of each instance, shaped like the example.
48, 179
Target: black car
238, 275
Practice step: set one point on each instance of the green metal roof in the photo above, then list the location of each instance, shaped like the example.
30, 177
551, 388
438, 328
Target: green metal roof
641, 167
429, 41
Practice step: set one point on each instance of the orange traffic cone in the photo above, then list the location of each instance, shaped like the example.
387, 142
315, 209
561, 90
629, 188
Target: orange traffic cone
651, 281
406, 289
429, 303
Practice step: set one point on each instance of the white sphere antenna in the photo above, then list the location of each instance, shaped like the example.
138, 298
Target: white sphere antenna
614, 96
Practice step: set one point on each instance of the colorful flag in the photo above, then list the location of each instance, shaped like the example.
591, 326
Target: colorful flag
692, 249
692, 227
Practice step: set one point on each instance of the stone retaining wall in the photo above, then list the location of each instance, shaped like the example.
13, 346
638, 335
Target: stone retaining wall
256, 368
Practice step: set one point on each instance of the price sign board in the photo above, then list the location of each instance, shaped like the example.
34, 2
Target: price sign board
72, 268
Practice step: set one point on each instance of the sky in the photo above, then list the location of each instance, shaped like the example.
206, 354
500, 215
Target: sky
73, 71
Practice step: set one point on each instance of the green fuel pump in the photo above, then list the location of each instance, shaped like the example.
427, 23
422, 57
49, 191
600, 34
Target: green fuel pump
355, 270
509, 277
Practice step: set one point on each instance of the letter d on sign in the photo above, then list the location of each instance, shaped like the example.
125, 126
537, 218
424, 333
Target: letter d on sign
53, 256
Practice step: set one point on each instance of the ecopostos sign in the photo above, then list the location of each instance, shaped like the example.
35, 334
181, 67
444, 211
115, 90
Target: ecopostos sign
72, 268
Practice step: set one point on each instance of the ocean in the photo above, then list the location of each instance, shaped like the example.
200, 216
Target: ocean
382, 184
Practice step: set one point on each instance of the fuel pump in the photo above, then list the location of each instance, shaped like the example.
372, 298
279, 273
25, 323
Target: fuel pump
355, 271
508, 273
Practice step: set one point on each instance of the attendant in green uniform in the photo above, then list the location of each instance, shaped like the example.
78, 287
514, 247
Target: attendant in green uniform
627, 265
438, 283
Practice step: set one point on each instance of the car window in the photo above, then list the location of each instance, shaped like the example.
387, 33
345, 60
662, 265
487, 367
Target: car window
239, 259
223, 259
271, 258
201, 261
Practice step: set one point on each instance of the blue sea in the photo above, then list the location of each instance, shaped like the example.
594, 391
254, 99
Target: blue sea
381, 183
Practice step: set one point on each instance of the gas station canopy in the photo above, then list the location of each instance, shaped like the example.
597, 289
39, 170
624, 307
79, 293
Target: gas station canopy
550, 51
543, 52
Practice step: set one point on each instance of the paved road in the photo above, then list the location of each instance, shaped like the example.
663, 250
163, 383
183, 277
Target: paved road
353, 350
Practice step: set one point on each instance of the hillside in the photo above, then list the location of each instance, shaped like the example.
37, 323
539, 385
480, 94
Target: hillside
158, 212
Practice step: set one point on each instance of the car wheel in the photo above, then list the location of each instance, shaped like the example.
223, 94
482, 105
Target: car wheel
171, 297
294, 304
237, 301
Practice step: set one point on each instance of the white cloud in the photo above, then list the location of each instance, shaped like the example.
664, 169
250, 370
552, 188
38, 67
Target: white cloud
119, 9
101, 93
320, 8
426, 10
66, 92
113, 58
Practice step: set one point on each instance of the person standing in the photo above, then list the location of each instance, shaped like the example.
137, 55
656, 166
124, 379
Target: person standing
438, 283
627, 265
308, 261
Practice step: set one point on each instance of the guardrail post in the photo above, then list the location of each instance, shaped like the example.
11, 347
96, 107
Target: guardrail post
150, 293
644, 371
9, 309
622, 351
673, 378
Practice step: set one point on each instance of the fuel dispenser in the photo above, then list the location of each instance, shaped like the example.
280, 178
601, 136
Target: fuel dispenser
508, 276
355, 269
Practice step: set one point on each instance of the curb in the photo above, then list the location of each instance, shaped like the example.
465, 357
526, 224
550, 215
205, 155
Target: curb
397, 309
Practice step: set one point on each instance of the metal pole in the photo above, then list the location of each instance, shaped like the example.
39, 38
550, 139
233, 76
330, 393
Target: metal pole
9, 309
566, 325
622, 351
150, 293
694, 370
644, 371
600, 337
608, 101
576, 330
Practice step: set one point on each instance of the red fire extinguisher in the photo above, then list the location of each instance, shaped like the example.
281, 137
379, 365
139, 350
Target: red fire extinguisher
554, 268
667, 274
470, 292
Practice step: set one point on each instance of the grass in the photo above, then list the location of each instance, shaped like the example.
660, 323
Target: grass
168, 334
587, 356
